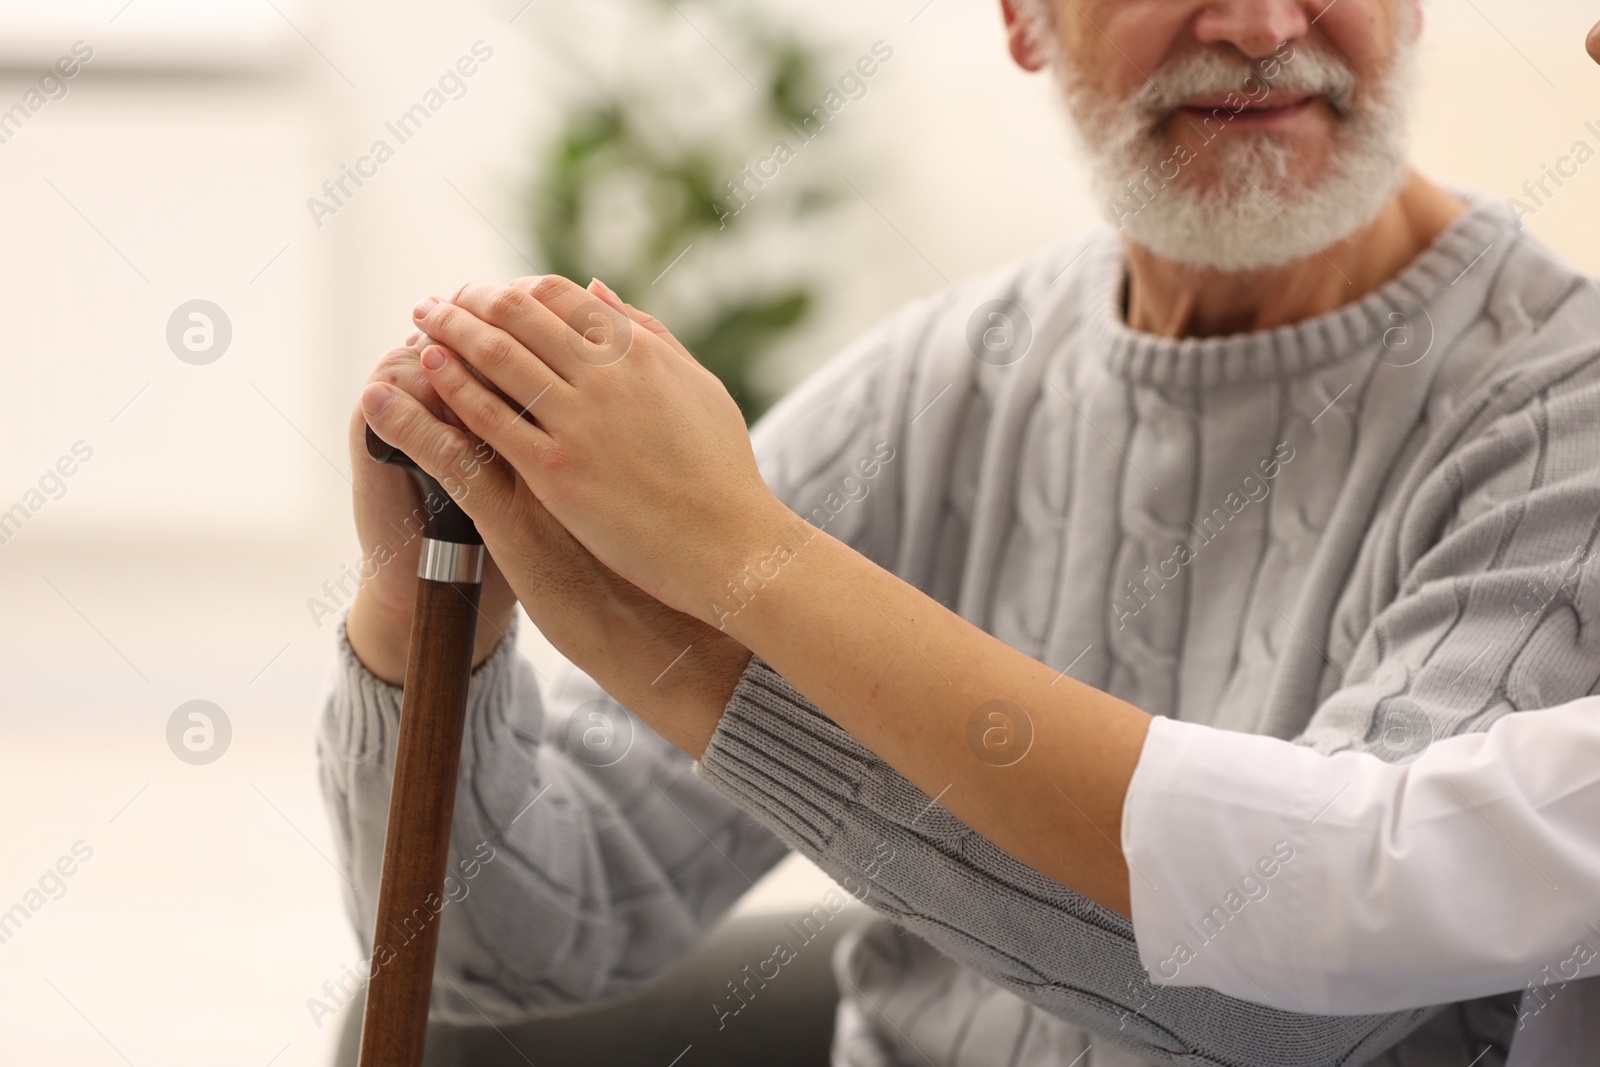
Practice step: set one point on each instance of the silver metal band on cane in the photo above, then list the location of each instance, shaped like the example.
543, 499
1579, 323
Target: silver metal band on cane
446, 561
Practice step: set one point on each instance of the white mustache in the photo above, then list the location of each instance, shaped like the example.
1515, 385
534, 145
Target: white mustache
1310, 72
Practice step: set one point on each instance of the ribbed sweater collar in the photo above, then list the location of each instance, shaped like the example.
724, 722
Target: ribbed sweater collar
1215, 362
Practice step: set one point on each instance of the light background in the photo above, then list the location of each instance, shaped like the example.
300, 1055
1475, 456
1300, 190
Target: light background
178, 563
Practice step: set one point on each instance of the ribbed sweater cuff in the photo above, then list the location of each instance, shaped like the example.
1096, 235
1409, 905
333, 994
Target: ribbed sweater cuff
774, 754
362, 727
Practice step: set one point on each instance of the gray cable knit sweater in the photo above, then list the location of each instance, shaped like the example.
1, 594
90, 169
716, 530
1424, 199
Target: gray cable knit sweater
1357, 531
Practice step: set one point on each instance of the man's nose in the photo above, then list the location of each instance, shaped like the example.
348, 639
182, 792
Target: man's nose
1255, 27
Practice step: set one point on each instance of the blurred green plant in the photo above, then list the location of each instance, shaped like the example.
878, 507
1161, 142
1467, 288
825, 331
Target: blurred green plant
610, 140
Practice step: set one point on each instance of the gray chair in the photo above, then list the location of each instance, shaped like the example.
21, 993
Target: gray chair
673, 1021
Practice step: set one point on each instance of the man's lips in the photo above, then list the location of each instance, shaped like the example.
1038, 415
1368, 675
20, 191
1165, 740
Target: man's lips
1271, 110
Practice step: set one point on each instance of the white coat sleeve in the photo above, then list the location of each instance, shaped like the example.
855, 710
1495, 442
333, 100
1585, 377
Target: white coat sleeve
1344, 884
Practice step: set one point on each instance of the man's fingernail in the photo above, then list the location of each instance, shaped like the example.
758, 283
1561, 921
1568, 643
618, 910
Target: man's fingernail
433, 357
376, 398
425, 305
413, 337
604, 291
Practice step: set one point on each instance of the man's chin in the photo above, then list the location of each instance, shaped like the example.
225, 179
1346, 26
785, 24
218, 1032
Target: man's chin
1260, 202
1286, 178
1240, 224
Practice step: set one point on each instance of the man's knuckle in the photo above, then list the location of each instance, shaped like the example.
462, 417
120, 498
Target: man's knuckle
392, 364
451, 450
408, 425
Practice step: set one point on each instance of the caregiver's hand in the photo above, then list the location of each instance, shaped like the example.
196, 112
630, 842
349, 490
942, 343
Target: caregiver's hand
633, 446
624, 639
643, 456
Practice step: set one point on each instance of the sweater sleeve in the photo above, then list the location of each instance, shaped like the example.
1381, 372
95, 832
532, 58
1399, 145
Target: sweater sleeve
891, 846
584, 856
1484, 588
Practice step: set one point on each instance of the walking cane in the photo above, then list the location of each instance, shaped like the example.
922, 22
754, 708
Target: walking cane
432, 716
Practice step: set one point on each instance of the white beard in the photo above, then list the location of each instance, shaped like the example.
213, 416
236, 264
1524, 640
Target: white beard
1258, 215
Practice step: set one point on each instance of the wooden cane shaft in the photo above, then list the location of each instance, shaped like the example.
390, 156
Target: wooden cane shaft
416, 848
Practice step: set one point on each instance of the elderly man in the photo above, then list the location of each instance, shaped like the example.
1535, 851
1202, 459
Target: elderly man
1305, 448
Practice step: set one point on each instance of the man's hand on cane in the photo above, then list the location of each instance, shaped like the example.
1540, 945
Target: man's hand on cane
621, 636
390, 514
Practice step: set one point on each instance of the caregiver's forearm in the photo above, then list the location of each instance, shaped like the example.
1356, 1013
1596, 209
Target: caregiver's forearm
952, 709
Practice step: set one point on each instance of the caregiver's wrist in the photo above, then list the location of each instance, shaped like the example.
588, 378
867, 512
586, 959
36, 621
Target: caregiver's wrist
752, 549
805, 616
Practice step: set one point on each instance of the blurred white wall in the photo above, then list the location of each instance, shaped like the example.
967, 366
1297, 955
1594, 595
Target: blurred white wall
178, 562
